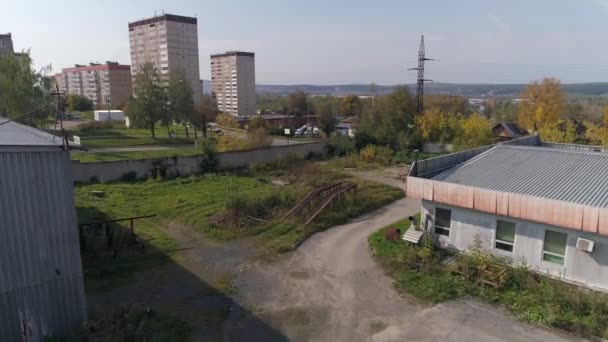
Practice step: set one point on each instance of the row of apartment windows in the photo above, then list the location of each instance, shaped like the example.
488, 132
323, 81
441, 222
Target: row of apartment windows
554, 243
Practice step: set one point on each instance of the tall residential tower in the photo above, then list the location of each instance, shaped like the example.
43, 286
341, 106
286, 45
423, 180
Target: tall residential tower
171, 43
233, 81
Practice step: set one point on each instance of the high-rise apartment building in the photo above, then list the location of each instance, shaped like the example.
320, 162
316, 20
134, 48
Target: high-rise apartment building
233, 82
170, 42
6, 44
101, 83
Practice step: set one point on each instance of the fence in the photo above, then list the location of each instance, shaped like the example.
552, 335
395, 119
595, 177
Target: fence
429, 168
186, 165
576, 147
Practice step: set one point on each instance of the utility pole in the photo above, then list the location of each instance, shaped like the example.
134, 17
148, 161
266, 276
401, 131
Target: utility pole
109, 102
59, 117
421, 79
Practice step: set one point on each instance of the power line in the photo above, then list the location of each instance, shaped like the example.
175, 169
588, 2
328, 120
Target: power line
420, 81
26, 114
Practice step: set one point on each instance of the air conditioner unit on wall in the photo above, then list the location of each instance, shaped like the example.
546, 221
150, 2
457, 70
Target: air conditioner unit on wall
585, 245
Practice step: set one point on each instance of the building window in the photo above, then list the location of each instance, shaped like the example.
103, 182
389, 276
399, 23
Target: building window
443, 220
1, 43
554, 247
505, 235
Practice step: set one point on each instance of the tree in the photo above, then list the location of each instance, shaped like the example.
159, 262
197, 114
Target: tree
227, 120
598, 135
181, 103
75, 102
475, 131
22, 90
542, 104
351, 105
149, 104
392, 121
326, 118
206, 113
297, 103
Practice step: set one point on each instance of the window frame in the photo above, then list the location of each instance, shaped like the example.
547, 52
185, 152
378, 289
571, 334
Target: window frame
543, 252
441, 230
503, 242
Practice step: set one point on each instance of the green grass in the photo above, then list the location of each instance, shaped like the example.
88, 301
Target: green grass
132, 140
90, 157
527, 295
198, 201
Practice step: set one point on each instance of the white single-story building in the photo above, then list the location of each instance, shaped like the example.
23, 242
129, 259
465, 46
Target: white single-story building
542, 205
109, 115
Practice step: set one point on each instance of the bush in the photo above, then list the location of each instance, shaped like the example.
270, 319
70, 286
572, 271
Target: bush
371, 153
259, 204
79, 103
209, 160
341, 145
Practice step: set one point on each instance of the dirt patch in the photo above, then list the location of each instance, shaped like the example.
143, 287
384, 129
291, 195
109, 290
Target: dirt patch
299, 275
377, 326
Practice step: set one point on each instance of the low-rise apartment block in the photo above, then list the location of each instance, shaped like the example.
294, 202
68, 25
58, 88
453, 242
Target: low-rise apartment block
233, 82
104, 84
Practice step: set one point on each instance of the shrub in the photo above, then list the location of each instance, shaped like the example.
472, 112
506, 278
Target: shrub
209, 159
375, 154
341, 145
129, 176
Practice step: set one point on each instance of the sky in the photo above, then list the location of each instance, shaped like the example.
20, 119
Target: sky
339, 41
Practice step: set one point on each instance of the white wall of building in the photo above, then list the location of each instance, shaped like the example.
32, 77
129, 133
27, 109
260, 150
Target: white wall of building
589, 269
112, 115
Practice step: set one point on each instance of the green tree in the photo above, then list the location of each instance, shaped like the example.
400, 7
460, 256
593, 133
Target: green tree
392, 121
207, 112
326, 118
22, 90
75, 102
181, 103
297, 104
149, 104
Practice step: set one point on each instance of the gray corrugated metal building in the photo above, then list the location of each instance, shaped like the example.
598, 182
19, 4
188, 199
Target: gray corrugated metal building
41, 281
559, 174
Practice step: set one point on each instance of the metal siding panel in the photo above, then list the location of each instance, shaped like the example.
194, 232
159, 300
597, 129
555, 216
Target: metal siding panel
485, 200
603, 222
39, 226
591, 219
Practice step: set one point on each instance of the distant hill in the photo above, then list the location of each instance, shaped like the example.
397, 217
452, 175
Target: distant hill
468, 90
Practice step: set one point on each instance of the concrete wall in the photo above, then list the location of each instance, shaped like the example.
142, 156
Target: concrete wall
115, 170
589, 269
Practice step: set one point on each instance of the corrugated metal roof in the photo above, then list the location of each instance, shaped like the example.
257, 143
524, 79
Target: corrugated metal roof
16, 134
572, 176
